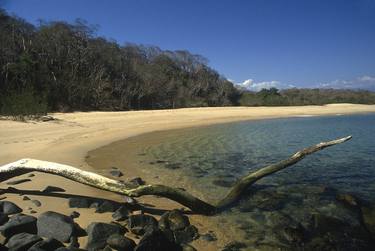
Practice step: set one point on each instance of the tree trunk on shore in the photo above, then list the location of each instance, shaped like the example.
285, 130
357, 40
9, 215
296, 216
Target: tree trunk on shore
176, 194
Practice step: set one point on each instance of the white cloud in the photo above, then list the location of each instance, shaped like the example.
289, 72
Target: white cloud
250, 84
363, 82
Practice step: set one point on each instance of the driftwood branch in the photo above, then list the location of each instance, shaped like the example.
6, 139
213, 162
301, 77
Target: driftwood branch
195, 204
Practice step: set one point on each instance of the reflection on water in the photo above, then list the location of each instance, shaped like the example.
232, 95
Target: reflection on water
292, 209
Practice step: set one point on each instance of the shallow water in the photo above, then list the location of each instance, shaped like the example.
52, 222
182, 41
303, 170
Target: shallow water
208, 160
226, 152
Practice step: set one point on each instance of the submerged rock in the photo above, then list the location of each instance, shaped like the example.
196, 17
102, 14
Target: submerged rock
234, 246
37, 203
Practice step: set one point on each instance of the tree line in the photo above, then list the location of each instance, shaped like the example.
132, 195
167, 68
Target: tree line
295, 96
60, 66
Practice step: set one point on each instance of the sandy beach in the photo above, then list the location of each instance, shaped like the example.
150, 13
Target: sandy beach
68, 139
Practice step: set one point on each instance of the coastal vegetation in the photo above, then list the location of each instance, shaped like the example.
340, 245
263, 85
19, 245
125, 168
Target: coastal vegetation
59, 66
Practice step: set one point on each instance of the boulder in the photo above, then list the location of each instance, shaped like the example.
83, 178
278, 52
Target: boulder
186, 235
107, 206
142, 223
174, 220
156, 241
19, 223
22, 241
3, 218
25, 198
98, 234
49, 244
368, 216
80, 202
55, 225
7, 207
121, 214
121, 243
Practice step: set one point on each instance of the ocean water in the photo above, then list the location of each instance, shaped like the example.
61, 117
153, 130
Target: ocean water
208, 160
216, 156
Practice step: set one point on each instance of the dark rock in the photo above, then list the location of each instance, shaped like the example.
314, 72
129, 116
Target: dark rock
347, 199
174, 220
33, 211
3, 218
234, 246
121, 214
51, 189
16, 182
22, 241
73, 242
80, 202
208, 237
79, 231
99, 232
137, 181
186, 247
55, 225
19, 223
107, 206
156, 241
141, 223
25, 198
31, 175
116, 173
47, 245
3, 197
37, 203
186, 235
74, 215
295, 235
120, 242
107, 248
7, 207
223, 183
172, 166
368, 216
323, 224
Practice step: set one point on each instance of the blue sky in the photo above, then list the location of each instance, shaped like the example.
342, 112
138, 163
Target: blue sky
309, 43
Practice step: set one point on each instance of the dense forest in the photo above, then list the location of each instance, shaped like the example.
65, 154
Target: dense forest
294, 96
59, 66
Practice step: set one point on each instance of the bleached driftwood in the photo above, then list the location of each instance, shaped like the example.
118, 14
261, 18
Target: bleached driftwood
183, 197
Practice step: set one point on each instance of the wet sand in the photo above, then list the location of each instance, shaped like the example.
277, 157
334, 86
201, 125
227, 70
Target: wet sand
73, 135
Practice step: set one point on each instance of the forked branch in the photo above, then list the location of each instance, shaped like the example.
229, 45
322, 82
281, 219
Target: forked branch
195, 204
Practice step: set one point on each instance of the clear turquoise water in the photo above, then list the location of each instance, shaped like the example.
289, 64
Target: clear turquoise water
228, 151
211, 158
